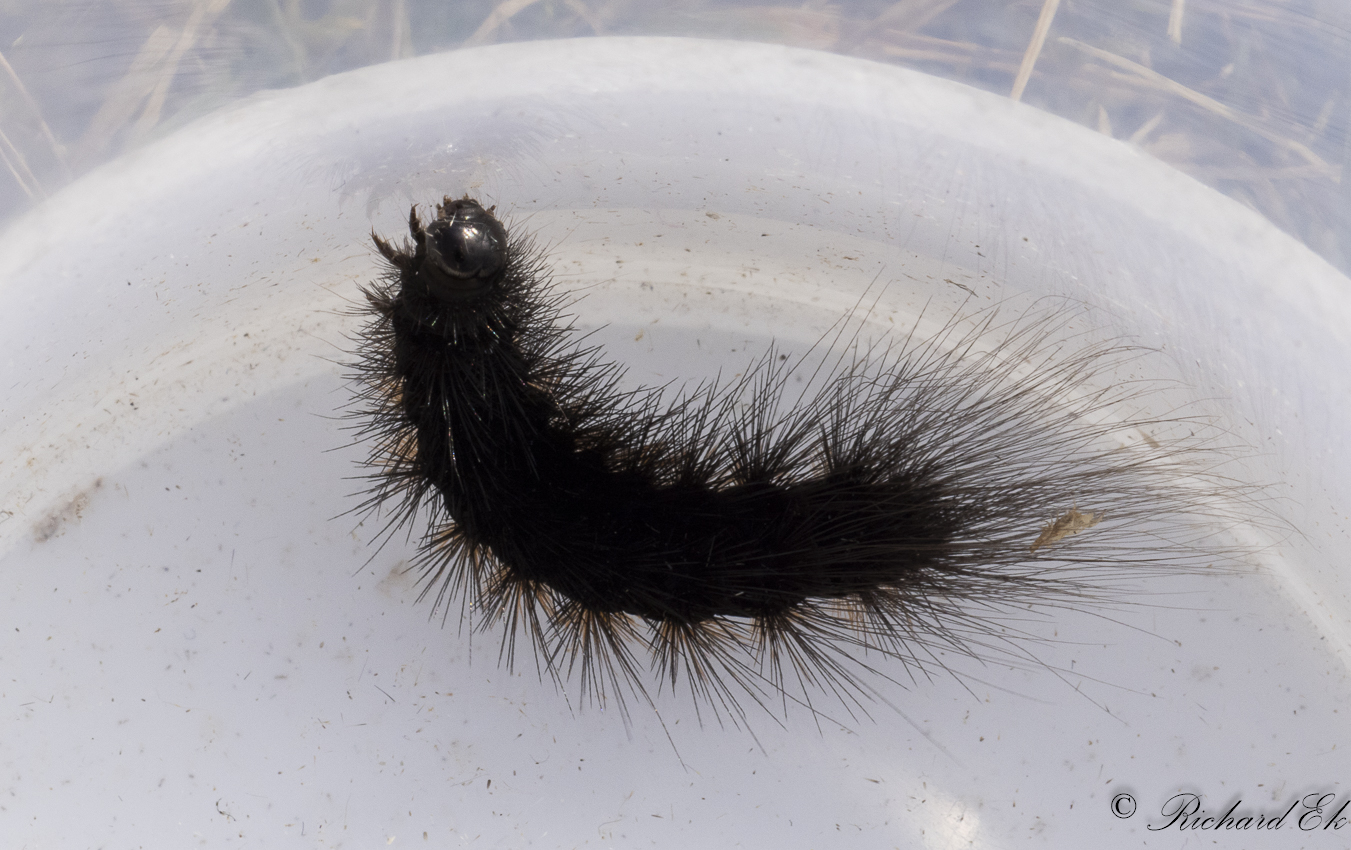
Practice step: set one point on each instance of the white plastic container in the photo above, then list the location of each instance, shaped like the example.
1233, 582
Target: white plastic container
198, 650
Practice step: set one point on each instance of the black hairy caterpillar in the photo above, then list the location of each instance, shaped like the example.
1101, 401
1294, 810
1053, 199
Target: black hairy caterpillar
745, 540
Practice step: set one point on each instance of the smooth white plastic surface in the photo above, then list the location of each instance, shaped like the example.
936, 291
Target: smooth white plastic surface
195, 652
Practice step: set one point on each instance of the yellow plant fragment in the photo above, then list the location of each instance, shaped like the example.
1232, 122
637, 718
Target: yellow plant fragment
1070, 522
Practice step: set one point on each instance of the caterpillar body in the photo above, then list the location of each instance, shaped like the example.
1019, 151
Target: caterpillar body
735, 539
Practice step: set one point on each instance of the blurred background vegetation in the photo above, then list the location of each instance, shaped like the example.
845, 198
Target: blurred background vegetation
1248, 96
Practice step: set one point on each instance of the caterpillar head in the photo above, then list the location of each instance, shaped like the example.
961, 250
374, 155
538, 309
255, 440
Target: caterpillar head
458, 257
